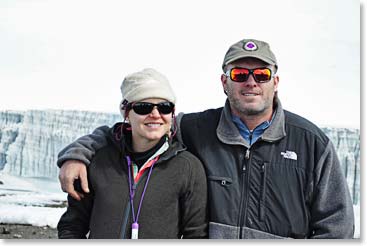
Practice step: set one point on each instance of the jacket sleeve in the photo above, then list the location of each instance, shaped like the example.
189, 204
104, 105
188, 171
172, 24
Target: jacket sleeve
84, 148
74, 223
194, 202
332, 209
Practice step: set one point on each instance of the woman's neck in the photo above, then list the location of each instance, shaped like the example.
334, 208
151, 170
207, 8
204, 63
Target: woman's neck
142, 146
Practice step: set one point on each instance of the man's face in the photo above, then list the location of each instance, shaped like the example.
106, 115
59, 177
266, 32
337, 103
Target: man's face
250, 98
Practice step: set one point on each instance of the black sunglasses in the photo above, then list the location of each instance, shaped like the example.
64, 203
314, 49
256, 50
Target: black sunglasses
144, 108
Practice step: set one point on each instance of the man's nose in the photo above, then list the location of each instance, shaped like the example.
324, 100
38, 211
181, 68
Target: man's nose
251, 82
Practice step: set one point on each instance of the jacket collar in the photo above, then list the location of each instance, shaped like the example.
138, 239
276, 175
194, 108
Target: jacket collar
228, 133
175, 147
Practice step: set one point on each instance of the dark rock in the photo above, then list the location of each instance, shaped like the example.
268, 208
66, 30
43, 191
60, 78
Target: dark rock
22, 231
5, 231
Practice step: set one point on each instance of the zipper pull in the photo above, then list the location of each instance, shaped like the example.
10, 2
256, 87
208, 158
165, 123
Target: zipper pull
247, 156
263, 168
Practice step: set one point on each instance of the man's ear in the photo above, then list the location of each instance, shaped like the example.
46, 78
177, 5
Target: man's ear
276, 82
223, 78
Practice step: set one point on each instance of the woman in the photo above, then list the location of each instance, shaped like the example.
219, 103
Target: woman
143, 184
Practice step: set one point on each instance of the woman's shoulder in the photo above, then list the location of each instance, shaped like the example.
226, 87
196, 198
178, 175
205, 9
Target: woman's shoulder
188, 156
178, 151
189, 162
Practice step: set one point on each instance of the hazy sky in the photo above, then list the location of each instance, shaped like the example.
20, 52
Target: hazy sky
74, 54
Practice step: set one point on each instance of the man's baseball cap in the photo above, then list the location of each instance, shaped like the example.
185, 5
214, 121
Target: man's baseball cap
250, 48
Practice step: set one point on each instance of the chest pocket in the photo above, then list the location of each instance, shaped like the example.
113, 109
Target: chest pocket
222, 181
222, 200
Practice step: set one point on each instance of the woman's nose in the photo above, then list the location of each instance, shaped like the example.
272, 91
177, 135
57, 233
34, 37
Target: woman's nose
155, 112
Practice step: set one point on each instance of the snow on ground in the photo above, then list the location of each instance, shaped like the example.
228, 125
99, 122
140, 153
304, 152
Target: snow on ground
31, 201
35, 201
38, 216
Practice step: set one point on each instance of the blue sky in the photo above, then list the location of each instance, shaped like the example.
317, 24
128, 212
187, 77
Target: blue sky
74, 54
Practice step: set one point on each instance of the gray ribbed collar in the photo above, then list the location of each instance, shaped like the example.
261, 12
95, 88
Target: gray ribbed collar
228, 133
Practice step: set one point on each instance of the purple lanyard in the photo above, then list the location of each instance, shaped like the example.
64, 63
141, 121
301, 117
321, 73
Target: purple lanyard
132, 188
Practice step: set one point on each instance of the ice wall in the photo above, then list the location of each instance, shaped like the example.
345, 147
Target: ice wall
31, 140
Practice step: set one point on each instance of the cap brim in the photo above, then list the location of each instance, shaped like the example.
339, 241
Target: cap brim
268, 61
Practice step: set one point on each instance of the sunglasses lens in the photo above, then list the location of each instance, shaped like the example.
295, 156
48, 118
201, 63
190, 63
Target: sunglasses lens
143, 108
165, 107
239, 74
262, 74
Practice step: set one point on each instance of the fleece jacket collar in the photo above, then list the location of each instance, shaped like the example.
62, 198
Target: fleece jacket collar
228, 133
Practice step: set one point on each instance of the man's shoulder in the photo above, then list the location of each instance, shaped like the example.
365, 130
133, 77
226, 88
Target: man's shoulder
209, 113
111, 140
293, 120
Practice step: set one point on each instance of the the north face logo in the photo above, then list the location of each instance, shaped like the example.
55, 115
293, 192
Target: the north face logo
289, 155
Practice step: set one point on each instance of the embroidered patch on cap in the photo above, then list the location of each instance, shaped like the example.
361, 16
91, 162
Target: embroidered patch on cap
250, 46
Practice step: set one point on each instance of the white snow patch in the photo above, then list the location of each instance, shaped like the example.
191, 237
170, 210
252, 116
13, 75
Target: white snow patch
27, 201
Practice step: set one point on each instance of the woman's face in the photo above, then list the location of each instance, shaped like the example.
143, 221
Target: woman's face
151, 126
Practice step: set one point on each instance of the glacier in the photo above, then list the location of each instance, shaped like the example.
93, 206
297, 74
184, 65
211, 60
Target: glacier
30, 141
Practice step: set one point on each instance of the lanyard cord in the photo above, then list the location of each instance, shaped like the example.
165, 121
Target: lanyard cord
132, 188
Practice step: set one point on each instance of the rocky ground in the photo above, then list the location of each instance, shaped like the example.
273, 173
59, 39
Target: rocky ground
17, 231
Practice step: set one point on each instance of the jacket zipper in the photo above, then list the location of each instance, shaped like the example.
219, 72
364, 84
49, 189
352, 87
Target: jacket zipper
125, 220
247, 154
244, 192
263, 191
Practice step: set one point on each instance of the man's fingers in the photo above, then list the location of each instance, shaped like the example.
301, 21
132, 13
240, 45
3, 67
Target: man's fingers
74, 194
68, 186
61, 181
70, 171
84, 179
81, 195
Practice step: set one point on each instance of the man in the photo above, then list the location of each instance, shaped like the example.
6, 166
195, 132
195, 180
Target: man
271, 173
